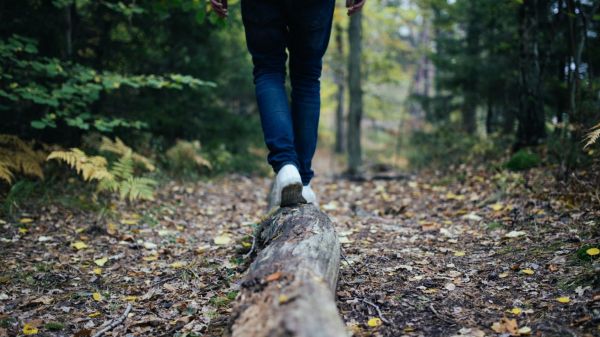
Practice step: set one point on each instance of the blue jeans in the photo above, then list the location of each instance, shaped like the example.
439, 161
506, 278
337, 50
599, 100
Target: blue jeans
303, 28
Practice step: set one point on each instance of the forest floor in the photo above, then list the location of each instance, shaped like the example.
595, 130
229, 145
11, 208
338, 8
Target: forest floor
471, 254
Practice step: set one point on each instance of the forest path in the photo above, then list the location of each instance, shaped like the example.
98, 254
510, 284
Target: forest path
437, 256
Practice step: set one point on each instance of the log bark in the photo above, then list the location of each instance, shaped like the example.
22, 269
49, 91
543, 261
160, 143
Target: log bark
289, 288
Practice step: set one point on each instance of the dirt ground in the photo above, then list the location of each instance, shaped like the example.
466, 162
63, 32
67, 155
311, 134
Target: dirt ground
465, 253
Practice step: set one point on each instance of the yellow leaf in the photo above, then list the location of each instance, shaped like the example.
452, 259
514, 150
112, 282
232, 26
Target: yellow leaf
374, 321
94, 314
79, 245
97, 297
246, 244
459, 253
23, 230
130, 298
111, 228
283, 299
593, 251
564, 299
152, 257
528, 271
497, 206
503, 275
178, 264
129, 221
222, 239
29, 329
100, 262
26, 220
515, 311
97, 271
524, 330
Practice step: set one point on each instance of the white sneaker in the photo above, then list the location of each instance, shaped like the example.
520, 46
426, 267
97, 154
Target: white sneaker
309, 195
287, 189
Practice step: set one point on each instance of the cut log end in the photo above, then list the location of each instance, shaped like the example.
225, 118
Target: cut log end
289, 288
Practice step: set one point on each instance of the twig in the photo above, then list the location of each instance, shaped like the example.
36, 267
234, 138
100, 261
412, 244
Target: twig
383, 319
440, 316
110, 326
247, 255
347, 262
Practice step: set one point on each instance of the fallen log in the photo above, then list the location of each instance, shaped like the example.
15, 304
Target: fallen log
289, 288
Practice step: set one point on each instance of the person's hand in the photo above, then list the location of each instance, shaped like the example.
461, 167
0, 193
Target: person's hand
220, 7
353, 5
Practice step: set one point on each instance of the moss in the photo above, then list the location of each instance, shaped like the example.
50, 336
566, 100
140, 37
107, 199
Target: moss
54, 326
523, 160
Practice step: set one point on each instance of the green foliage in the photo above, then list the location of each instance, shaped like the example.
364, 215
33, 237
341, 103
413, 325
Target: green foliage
54, 326
19, 192
64, 91
523, 160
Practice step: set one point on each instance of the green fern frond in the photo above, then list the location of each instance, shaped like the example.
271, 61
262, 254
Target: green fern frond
137, 188
118, 147
593, 136
123, 168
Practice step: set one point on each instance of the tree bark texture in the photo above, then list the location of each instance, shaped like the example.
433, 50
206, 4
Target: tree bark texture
289, 288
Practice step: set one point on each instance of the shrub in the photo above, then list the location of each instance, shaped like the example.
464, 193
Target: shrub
523, 160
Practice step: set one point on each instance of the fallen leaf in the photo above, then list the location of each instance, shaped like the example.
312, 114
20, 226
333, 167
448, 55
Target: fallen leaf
374, 321
450, 286
130, 298
222, 240
528, 271
97, 271
592, 251
178, 264
100, 262
515, 234
29, 329
97, 297
564, 299
94, 314
273, 277
459, 253
25, 220
150, 245
515, 311
79, 245
44, 238
506, 325
497, 206
23, 230
524, 330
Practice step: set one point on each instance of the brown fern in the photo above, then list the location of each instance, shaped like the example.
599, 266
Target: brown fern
18, 156
592, 136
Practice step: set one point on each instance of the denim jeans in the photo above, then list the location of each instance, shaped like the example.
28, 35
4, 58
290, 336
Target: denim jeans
302, 28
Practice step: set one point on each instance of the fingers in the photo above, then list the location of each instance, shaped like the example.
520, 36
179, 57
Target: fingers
220, 8
355, 7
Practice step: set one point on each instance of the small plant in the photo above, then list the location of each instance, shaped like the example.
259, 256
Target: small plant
17, 156
523, 160
185, 157
120, 177
592, 136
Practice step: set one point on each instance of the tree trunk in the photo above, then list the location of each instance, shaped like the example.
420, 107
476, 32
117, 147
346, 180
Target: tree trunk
355, 92
339, 80
289, 288
531, 128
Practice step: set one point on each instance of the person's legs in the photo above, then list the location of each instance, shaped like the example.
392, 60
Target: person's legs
266, 36
309, 30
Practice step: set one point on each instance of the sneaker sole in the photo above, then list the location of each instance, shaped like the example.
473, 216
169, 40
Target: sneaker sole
292, 195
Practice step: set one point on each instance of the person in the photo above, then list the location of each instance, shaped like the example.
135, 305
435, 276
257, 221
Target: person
303, 28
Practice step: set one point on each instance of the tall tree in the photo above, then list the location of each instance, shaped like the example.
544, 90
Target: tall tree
355, 91
339, 80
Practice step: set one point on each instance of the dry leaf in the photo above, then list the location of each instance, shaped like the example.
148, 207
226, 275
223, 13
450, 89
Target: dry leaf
100, 262
374, 321
79, 245
29, 329
97, 297
528, 271
506, 325
593, 251
564, 299
273, 277
222, 240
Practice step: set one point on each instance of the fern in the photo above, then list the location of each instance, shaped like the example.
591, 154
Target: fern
592, 136
90, 168
118, 147
119, 178
17, 156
